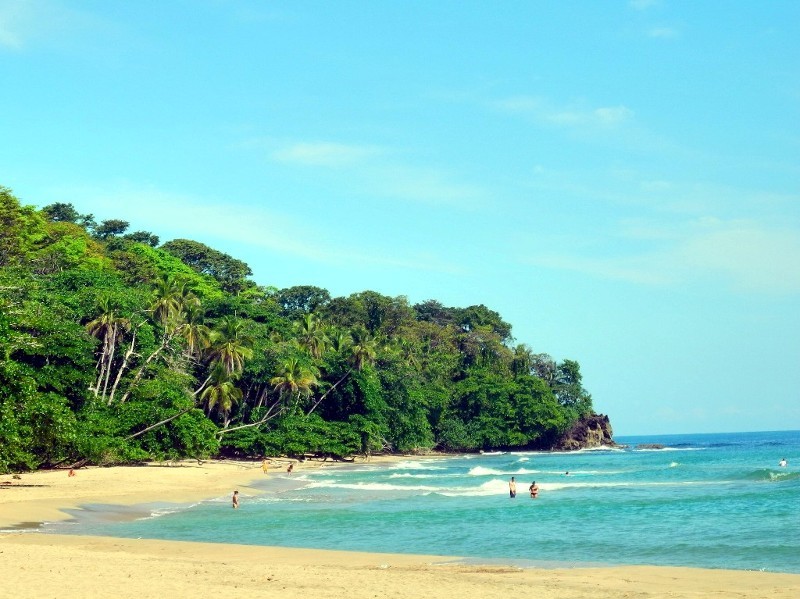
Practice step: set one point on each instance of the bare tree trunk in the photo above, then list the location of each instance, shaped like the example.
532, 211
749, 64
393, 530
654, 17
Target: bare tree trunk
324, 395
268, 416
122, 368
157, 424
137, 377
101, 366
201, 387
112, 346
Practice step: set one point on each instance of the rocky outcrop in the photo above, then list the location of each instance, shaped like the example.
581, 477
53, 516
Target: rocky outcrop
593, 430
649, 446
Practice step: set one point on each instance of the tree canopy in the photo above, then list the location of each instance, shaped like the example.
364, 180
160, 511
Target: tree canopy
116, 349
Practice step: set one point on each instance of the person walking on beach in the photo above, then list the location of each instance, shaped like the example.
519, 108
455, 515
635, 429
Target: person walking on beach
534, 489
290, 468
235, 499
264, 465
512, 488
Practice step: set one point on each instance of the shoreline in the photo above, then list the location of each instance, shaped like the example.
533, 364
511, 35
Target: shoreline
47, 564
31, 499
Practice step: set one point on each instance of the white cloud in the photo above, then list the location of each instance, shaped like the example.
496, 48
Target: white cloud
324, 154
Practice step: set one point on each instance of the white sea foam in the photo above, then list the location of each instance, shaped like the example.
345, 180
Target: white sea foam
411, 465
647, 449
495, 486
674, 464
370, 486
482, 471
600, 448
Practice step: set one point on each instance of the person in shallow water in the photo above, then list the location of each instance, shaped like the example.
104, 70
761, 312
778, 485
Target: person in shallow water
235, 499
512, 488
782, 463
534, 489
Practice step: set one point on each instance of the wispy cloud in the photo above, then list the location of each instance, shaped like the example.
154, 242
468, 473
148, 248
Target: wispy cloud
230, 222
663, 32
327, 154
28, 23
643, 4
378, 170
747, 256
574, 116
17, 22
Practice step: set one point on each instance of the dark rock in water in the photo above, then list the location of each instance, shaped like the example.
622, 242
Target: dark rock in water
649, 446
590, 431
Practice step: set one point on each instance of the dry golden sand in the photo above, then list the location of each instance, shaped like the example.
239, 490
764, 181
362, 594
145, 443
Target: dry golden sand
45, 565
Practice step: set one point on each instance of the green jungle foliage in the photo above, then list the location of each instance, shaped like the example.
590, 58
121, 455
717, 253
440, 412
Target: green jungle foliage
116, 350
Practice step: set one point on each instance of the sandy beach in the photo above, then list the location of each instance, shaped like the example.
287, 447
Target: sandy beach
47, 565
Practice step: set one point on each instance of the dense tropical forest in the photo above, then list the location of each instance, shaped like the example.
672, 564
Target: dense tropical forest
116, 348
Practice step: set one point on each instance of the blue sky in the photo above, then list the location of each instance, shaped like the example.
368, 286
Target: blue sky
620, 180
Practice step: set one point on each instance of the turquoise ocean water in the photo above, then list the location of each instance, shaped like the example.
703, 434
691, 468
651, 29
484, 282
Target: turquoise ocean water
712, 501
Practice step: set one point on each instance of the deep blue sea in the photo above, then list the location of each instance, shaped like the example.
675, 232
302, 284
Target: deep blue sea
704, 500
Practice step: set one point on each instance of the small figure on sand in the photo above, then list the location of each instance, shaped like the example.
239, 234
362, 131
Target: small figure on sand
235, 499
264, 466
512, 488
534, 489
290, 468
71, 472
783, 463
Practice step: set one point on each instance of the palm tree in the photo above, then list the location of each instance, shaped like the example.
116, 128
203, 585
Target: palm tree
339, 341
171, 299
311, 335
221, 392
522, 362
196, 334
364, 350
109, 328
294, 380
230, 344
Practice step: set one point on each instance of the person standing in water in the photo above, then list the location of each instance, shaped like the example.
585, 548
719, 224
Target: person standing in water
235, 499
782, 463
512, 488
534, 489
264, 465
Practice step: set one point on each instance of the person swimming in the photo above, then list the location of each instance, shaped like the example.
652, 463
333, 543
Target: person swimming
534, 489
